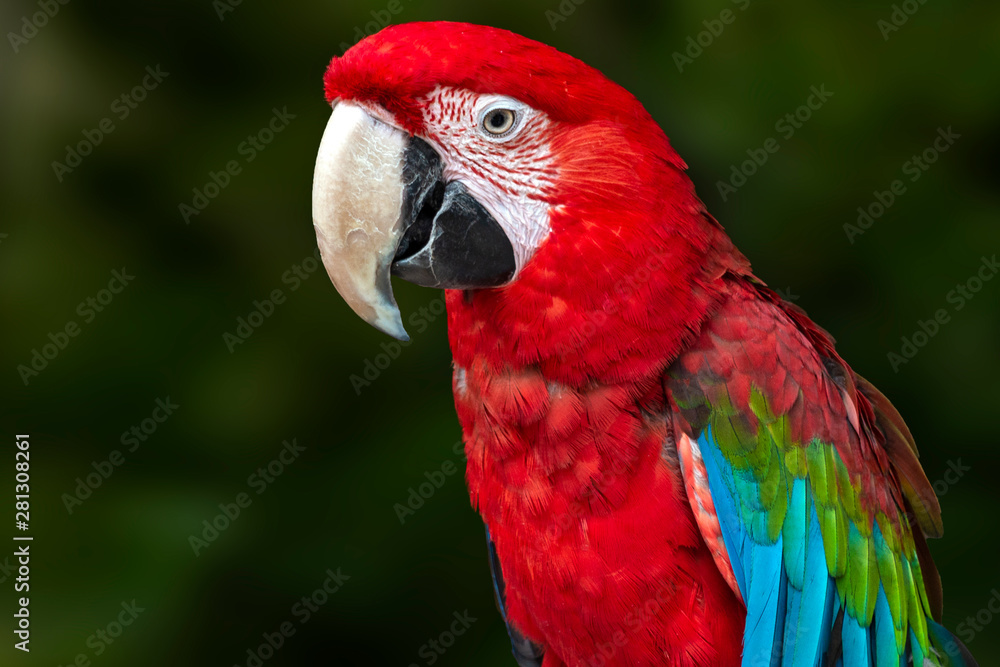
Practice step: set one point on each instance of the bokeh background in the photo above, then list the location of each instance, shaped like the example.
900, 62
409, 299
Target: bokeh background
229, 65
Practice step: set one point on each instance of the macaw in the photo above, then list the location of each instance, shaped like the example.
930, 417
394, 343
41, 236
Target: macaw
674, 465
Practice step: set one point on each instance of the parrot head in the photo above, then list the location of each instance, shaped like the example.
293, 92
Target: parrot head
472, 159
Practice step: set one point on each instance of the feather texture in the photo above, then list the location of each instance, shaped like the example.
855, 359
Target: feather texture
666, 455
808, 496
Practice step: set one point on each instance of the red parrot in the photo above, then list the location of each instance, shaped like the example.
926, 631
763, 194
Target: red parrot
674, 465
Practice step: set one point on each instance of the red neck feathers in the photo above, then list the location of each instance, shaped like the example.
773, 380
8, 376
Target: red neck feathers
630, 270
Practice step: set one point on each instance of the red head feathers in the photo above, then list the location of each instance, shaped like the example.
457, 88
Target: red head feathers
616, 200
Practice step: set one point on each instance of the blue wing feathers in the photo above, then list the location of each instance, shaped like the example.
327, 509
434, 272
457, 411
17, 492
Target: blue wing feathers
811, 591
790, 596
884, 634
856, 644
791, 599
758, 568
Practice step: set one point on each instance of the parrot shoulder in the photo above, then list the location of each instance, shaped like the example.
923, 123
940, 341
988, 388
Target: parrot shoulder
805, 485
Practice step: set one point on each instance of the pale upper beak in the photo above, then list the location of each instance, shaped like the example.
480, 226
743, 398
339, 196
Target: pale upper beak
380, 206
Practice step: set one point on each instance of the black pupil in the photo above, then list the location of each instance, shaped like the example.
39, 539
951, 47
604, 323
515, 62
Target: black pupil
498, 119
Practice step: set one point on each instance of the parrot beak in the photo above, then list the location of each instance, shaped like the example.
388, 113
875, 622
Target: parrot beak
380, 206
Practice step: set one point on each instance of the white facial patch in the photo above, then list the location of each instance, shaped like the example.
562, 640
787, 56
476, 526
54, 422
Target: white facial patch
512, 175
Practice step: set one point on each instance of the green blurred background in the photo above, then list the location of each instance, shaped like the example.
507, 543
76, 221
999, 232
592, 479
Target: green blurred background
333, 506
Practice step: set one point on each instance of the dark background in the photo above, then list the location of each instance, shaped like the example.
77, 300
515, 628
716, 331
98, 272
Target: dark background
333, 507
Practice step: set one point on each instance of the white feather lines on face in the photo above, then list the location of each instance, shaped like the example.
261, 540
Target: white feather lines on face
512, 174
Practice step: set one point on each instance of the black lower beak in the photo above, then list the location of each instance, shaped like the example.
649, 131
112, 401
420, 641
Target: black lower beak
449, 239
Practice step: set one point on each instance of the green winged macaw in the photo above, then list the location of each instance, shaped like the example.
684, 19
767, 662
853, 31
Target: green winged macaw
674, 465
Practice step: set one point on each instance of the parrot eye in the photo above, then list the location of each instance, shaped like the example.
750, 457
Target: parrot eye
499, 122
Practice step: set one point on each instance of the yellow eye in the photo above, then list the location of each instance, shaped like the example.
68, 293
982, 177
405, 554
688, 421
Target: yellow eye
499, 121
